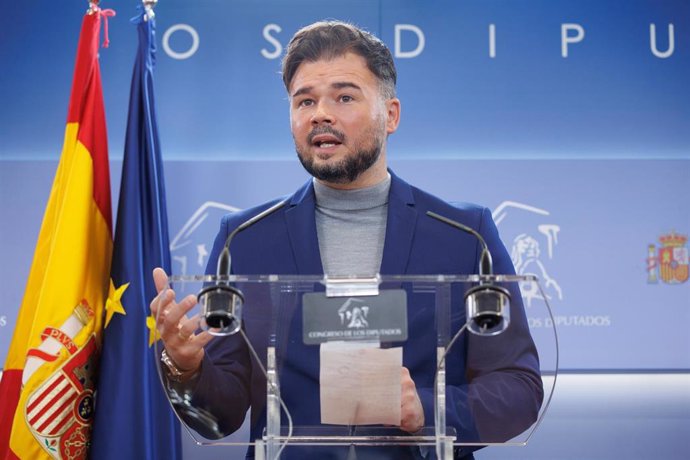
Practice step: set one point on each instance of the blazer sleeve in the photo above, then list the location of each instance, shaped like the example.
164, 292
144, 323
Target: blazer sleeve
503, 391
220, 394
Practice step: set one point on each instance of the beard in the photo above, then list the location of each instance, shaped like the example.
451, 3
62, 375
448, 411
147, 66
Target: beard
348, 169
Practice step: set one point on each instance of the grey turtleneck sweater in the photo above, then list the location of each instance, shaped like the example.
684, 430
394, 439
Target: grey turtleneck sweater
351, 227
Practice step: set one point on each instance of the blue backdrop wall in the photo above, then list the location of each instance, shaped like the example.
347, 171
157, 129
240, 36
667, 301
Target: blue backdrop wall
570, 119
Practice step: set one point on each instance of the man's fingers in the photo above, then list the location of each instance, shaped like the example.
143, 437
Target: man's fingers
406, 380
173, 322
174, 327
165, 296
412, 413
203, 338
187, 327
160, 279
161, 306
161, 302
187, 304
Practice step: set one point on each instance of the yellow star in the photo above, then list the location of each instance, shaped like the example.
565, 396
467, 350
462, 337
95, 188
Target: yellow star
113, 304
151, 325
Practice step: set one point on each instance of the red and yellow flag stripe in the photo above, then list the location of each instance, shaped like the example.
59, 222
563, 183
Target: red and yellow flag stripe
44, 393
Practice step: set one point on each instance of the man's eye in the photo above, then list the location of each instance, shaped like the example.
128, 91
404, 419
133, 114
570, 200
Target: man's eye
346, 98
305, 103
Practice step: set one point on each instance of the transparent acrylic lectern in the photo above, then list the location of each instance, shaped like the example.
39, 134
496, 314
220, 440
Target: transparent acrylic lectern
320, 361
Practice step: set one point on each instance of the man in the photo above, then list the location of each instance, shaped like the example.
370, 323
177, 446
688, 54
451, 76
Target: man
354, 217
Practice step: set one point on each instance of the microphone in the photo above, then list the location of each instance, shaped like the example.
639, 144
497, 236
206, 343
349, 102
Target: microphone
221, 304
487, 305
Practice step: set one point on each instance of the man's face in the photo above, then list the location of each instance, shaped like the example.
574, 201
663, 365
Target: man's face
340, 121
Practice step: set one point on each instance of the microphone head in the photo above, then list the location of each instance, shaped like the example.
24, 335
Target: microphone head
485, 263
488, 309
221, 309
224, 262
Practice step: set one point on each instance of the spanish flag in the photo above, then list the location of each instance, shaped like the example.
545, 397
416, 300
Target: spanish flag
46, 393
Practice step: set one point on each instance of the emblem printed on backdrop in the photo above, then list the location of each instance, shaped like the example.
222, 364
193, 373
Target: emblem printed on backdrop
668, 262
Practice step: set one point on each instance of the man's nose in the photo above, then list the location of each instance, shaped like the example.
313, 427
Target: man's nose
321, 114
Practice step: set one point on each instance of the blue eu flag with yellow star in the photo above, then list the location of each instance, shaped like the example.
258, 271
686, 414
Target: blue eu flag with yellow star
133, 418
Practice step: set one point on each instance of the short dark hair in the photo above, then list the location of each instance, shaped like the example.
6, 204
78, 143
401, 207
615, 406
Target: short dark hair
332, 39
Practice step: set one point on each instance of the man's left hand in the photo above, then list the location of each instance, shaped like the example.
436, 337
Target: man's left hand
411, 411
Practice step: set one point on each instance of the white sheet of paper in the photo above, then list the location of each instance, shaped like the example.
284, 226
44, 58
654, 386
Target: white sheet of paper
360, 384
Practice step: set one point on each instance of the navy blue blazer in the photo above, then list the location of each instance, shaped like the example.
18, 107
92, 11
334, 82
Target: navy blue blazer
494, 386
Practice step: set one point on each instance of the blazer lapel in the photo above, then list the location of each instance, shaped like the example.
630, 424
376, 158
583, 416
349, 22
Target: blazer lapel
400, 228
301, 223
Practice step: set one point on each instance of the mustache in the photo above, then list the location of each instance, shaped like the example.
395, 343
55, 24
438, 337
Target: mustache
325, 130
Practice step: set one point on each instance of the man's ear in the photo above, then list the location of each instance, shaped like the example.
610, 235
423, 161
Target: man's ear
392, 115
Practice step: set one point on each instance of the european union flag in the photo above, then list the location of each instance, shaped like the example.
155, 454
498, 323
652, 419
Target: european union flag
133, 417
